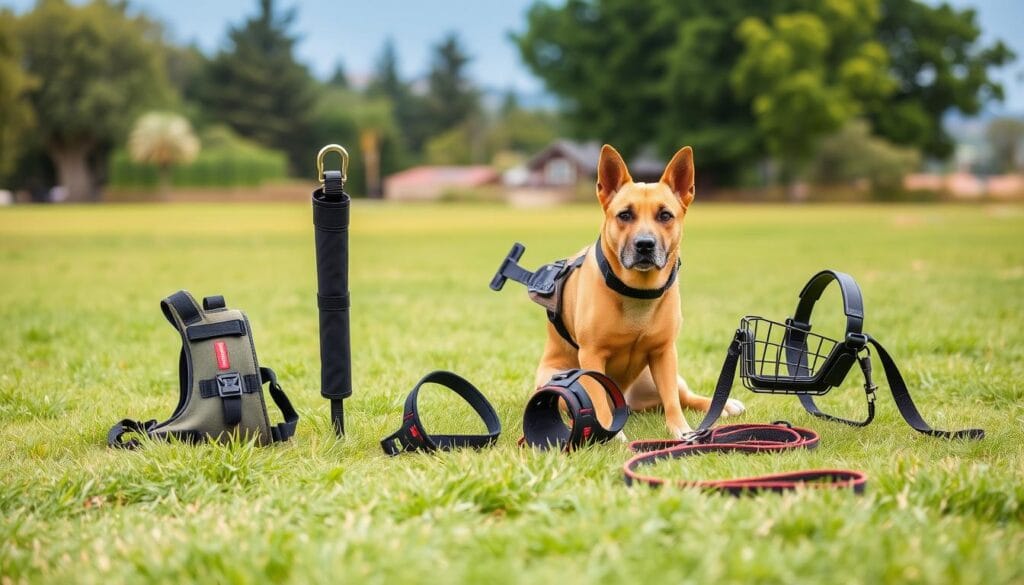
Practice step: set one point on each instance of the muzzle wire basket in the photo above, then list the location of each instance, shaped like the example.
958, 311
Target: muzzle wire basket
779, 358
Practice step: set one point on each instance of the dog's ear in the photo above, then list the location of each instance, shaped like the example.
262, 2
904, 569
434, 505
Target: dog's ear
612, 174
679, 175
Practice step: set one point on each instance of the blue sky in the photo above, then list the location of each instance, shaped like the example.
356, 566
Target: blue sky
355, 31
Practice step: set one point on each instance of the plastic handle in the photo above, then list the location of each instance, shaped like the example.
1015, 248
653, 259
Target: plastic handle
513, 257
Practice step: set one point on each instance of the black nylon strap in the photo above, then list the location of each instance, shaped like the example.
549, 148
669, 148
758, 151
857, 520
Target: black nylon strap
413, 437
811, 407
128, 426
853, 307
724, 385
613, 282
183, 305
905, 404
213, 303
232, 410
233, 328
281, 431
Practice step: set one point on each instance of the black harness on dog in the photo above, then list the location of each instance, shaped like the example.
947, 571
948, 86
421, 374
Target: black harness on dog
786, 358
412, 436
543, 426
545, 285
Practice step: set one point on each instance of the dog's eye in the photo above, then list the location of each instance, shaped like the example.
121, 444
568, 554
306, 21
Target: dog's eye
625, 215
665, 217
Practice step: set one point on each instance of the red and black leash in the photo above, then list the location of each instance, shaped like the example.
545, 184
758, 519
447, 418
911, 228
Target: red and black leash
743, 438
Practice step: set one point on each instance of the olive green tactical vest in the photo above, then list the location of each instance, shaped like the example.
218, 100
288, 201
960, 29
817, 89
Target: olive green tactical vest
221, 382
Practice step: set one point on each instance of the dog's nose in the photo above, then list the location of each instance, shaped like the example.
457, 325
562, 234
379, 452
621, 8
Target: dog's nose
645, 244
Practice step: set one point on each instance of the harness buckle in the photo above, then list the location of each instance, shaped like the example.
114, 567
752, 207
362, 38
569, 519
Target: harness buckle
229, 385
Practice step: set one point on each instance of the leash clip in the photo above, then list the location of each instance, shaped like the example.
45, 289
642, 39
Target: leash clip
698, 437
869, 383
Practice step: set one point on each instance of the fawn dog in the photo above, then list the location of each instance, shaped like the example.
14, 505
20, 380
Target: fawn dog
631, 340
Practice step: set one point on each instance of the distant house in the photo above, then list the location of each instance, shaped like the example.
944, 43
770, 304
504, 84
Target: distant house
555, 173
428, 183
565, 163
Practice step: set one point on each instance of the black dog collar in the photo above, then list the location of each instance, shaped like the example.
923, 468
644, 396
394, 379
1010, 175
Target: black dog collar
542, 422
615, 283
413, 437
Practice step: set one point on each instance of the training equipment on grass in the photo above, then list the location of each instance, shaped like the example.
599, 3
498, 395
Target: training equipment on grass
545, 284
412, 436
744, 438
221, 382
786, 358
544, 427
330, 223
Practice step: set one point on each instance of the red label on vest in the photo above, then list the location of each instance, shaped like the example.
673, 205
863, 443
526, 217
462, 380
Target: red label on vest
220, 349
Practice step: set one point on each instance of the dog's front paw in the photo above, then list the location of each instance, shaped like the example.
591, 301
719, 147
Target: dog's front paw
733, 407
679, 432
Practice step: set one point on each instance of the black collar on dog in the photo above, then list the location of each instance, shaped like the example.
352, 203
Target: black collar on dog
624, 289
543, 426
413, 437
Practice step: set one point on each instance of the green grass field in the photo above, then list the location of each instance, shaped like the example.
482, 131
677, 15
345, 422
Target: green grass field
84, 344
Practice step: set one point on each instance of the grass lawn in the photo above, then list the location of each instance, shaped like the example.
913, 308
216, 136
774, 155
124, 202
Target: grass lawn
84, 344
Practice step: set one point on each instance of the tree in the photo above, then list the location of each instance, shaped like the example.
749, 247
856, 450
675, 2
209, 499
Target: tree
258, 89
1005, 137
852, 154
638, 72
451, 98
940, 65
409, 111
807, 74
163, 139
339, 78
96, 67
16, 116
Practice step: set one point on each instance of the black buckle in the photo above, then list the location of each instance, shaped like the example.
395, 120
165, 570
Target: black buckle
229, 385
856, 340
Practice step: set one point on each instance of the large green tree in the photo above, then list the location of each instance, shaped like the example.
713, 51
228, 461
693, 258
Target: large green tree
638, 72
16, 115
808, 73
940, 64
258, 88
96, 66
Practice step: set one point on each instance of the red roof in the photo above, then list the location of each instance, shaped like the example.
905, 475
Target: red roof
462, 176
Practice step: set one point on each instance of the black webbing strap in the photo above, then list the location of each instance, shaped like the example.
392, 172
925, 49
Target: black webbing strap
115, 437
615, 283
413, 437
743, 438
183, 305
905, 404
853, 307
724, 385
281, 431
214, 303
233, 328
807, 400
